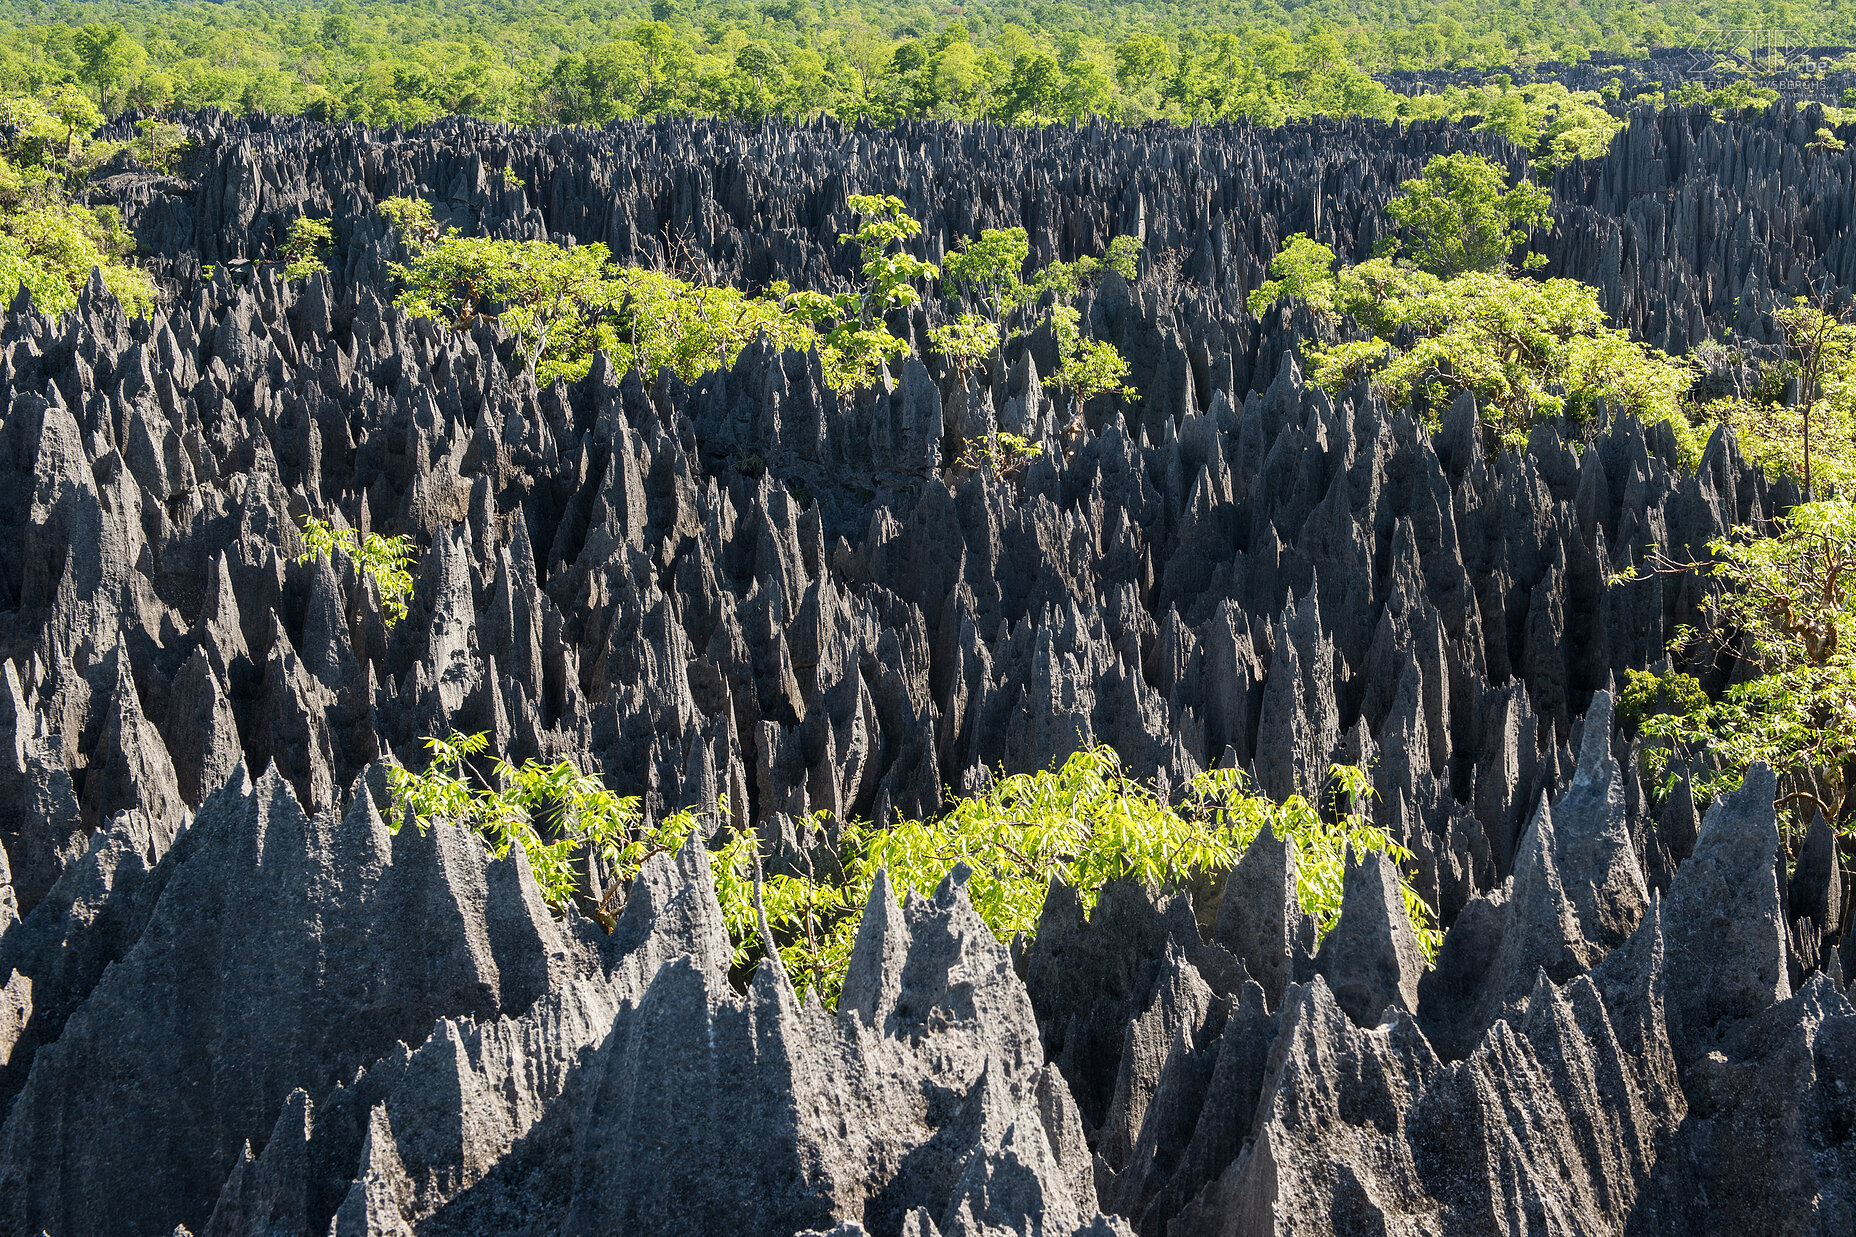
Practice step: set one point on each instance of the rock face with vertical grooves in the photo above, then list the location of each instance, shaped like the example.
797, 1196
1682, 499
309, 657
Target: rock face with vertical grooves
234, 999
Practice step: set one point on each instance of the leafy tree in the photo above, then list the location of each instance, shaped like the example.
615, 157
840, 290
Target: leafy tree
1134, 62
1083, 824
1828, 142
1460, 215
999, 453
1811, 437
160, 144
305, 243
987, 271
553, 812
1558, 124
387, 561
1786, 603
889, 275
1304, 272
564, 304
551, 298
1526, 349
1141, 59
766, 76
854, 341
1822, 348
49, 241
1085, 368
660, 320
107, 55
965, 341
1035, 89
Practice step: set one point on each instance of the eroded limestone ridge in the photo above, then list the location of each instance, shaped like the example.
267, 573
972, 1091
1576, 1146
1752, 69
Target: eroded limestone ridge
234, 1001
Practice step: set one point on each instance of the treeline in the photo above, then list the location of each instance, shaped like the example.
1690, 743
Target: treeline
1010, 61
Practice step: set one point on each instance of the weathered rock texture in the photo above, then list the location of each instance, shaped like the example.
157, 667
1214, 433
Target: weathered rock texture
235, 1001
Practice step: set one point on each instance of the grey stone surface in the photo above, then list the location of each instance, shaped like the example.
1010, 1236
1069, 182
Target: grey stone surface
240, 1008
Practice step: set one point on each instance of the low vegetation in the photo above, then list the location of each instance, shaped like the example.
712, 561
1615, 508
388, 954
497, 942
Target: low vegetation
50, 241
1083, 824
555, 813
1799, 420
386, 561
1784, 601
306, 244
563, 304
1443, 312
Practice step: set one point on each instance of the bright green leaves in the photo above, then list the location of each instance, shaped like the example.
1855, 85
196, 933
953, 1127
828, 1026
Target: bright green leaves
52, 130
999, 453
1647, 695
1087, 823
564, 304
1828, 142
1303, 270
965, 341
159, 144
1460, 215
387, 561
306, 242
1083, 824
553, 299
52, 249
1064, 281
660, 320
1086, 368
1526, 349
1788, 602
986, 271
49, 240
889, 274
1801, 420
552, 811
1557, 124
1123, 256
106, 57
411, 220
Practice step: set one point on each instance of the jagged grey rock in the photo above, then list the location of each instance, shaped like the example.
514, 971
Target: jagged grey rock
273, 1016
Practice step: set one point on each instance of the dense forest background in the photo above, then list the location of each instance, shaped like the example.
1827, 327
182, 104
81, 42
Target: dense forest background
1016, 61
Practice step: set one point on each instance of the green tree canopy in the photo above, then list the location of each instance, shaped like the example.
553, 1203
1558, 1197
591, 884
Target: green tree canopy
1786, 601
1461, 216
50, 242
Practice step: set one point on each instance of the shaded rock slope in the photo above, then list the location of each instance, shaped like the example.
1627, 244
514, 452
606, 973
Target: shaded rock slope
236, 1001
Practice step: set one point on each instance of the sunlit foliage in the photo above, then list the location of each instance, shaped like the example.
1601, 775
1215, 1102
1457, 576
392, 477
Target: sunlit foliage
1082, 825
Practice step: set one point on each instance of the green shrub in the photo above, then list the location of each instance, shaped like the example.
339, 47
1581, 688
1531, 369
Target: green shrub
49, 240
387, 561
1526, 349
563, 304
1000, 454
550, 810
1460, 215
1787, 601
305, 243
965, 341
1083, 824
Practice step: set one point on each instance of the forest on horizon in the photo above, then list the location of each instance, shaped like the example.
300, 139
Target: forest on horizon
1010, 61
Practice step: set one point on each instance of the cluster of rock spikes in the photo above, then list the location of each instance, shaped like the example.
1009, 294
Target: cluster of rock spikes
236, 1003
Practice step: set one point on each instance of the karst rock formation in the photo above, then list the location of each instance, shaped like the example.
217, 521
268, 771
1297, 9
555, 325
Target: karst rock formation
234, 1002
